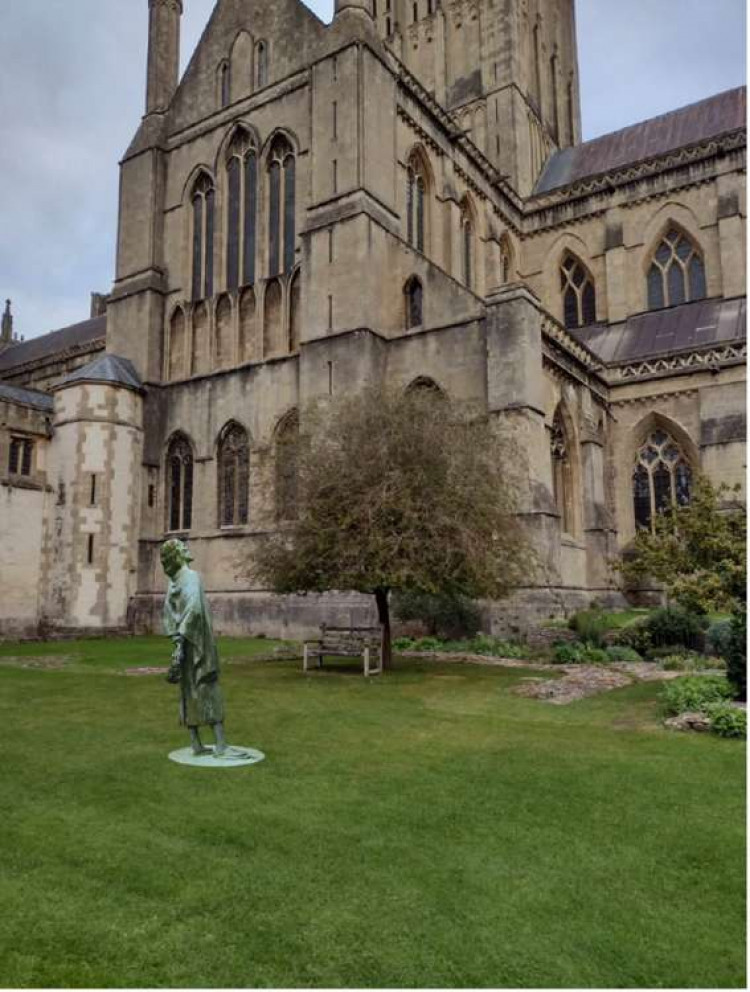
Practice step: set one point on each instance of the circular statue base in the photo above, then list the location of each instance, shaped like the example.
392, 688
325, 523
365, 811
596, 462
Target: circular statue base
233, 757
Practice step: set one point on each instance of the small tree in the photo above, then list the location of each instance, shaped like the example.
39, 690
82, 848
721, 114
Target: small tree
399, 492
697, 552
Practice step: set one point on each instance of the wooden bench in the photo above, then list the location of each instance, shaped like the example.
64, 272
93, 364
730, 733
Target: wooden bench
346, 642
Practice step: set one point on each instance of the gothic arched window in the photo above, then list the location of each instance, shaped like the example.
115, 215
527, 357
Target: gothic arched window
281, 207
179, 474
234, 476
416, 202
286, 452
413, 300
662, 477
677, 273
242, 201
467, 245
203, 200
562, 476
579, 294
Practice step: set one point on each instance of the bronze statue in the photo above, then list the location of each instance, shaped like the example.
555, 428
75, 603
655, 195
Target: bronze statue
195, 661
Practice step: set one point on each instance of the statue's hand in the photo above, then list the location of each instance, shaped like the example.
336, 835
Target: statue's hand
174, 674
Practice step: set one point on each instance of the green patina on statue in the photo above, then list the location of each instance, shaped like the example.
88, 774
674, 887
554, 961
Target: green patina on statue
195, 662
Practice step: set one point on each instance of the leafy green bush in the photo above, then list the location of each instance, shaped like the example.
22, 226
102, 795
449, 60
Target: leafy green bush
635, 636
566, 653
674, 625
444, 616
618, 652
481, 644
718, 638
590, 626
736, 657
694, 693
726, 720
491, 646
403, 644
428, 644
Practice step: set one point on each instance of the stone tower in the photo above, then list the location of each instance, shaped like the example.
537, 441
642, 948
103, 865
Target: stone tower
507, 70
137, 298
163, 53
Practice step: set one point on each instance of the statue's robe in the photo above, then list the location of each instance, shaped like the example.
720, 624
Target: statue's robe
186, 614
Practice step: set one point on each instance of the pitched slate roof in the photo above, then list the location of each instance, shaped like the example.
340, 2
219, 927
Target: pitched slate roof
75, 336
689, 327
27, 397
690, 125
107, 369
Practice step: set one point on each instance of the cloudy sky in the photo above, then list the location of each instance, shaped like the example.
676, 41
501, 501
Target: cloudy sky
72, 89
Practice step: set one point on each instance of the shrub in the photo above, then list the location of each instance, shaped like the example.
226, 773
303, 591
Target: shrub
403, 644
618, 652
726, 720
636, 636
427, 644
693, 694
446, 616
493, 646
565, 653
590, 626
736, 657
674, 625
718, 638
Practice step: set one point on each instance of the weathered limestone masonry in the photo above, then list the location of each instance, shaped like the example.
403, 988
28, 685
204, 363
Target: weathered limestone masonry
399, 198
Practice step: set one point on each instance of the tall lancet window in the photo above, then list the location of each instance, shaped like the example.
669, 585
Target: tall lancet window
662, 477
416, 202
281, 207
578, 291
204, 202
234, 476
677, 273
242, 209
179, 466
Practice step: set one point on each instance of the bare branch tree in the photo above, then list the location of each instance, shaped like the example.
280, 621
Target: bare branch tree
399, 491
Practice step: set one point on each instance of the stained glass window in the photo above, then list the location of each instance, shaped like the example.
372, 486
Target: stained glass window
234, 476
413, 294
281, 207
416, 205
677, 273
662, 476
179, 484
203, 238
242, 176
579, 293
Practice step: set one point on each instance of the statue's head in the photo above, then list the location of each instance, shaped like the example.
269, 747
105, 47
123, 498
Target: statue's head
174, 554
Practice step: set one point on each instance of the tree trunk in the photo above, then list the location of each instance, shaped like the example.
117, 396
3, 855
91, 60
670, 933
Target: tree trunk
384, 618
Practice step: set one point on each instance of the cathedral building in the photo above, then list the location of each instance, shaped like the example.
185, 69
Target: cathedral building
400, 198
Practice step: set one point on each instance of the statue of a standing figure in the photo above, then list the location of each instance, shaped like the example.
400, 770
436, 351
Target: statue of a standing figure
195, 662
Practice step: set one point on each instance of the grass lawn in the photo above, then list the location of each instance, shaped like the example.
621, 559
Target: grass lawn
426, 828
